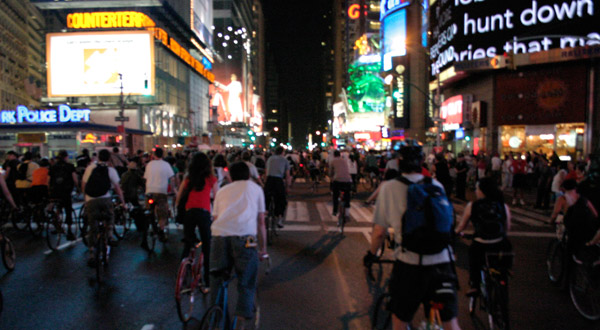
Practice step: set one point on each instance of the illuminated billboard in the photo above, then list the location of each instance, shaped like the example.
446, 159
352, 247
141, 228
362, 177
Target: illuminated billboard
465, 30
394, 37
90, 63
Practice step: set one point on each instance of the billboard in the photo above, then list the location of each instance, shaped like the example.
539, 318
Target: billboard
394, 37
90, 63
466, 30
228, 94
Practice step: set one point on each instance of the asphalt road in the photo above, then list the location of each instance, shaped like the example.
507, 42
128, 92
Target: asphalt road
316, 282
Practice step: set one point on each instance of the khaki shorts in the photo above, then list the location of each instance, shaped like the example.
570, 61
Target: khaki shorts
161, 206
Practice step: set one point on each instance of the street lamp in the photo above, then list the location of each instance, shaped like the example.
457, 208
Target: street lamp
318, 132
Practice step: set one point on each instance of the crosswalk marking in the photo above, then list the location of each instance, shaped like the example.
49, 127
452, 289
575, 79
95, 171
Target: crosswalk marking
360, 212
297, 211
324, 212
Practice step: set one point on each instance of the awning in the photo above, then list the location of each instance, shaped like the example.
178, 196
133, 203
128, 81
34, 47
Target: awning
70, 126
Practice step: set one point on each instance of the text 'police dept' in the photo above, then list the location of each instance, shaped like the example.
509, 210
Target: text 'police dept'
64, 114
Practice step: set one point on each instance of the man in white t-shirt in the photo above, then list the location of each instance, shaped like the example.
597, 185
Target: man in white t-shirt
238, 229
100, 205
159, 175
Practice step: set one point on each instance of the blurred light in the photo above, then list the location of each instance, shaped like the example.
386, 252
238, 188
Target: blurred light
565, 158
229, 28
318, 132
388, 79
467, 138
276, 129
227, 37
224, 44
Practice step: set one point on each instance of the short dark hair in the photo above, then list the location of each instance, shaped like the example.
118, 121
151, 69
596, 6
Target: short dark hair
62, 154
158, 152
279, 150
115, 149
104, 155
28, 155
239, 171
12, 153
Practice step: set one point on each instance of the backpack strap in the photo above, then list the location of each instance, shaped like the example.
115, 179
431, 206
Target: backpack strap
404, 180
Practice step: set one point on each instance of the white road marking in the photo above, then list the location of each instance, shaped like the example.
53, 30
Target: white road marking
365, 214
62, 246
297, 211
324, 213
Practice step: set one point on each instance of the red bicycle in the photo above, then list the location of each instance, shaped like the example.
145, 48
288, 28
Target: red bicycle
189, 282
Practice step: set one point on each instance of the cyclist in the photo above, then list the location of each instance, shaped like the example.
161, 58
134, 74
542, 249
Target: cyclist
25, 176
415, 277
278, 169
341, 181
97, 180
10, 173
246, 157
491, 218
195, 192
239, 217
581, 222
63, 178
159, 175
371, 163
39, 182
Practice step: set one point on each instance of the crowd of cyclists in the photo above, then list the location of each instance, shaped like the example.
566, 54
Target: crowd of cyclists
224, 194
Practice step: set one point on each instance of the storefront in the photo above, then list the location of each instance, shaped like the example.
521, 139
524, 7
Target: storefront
565, 139
47, 131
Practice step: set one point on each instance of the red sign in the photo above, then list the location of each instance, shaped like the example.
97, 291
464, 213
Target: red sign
365, 136
452, 110
541, 96
354, 11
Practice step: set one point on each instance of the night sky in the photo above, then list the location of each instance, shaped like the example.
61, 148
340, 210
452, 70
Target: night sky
295, 30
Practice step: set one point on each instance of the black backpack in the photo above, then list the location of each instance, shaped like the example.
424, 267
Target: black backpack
489, 219
22, 171
98, 183
259, 162
61, 179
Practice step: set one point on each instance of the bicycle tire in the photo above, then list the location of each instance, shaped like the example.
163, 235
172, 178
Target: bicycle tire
101, 257
342, 218
213, 318
54, 230
119, 228
151, 235
9, 255
184, 290
36, 223
270, 229
381, 316
584, 289
82, 217
555, 261
18, 219
498, 306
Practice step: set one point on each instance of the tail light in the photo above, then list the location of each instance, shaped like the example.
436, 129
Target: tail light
150, 201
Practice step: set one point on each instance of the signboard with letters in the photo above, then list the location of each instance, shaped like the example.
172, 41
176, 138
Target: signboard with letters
63, 114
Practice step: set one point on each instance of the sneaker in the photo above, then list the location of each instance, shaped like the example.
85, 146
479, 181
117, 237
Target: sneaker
522, 202
280, 223
70, 236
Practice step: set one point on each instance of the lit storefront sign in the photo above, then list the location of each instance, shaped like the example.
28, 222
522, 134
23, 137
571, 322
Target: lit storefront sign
466, 30
64, 114
452, 113
366, 136
401, 96
354, 11
109, 20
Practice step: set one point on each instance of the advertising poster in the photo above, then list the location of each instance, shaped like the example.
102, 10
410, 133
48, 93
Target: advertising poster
227, 94
93, 63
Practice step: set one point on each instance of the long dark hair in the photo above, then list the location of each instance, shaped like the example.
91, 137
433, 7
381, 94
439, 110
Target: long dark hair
489, 188
200, 168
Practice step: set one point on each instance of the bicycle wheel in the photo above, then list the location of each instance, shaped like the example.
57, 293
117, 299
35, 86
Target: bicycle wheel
82, 217
498, 305
101, 257
381, 315
341, 217
54, 229
19, 219
120, 229
555, 261
37, 221
214, 318
151, 235
184, 290
271, 229
584, 287
9, 255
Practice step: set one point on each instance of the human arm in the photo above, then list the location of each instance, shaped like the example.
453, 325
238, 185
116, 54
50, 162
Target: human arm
262, 235
6, 192
180, 191
558, 207
465, 218
377, 237
119, 192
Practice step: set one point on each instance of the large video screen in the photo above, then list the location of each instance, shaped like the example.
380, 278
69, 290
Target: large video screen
91, 63
465, 30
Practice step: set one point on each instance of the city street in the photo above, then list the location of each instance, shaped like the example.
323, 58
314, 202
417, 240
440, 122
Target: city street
317, 280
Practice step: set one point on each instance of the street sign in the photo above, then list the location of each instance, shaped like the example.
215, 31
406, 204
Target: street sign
121, 118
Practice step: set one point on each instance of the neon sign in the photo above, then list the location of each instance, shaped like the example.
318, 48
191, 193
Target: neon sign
354, 11
388, 6
452, 113
64, 114
109, 20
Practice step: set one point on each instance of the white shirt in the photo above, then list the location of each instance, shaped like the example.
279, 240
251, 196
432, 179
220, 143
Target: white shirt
558, 179
393, 164
236, 209
31, 167
112, 174
157, 175
352, 167
253, 171
496, 163
389, 210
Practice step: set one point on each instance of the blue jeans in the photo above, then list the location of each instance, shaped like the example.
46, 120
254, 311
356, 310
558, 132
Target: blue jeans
229, 253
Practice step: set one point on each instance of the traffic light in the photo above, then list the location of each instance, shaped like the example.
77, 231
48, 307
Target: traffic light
250, 132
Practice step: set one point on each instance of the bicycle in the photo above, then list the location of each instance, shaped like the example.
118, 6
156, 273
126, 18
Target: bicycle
271, 221
217, 316
342, 216
189, 282
493, 292
557, 259
152, 231
9, 255
123, 220
55, 224
102, 250
584, 284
